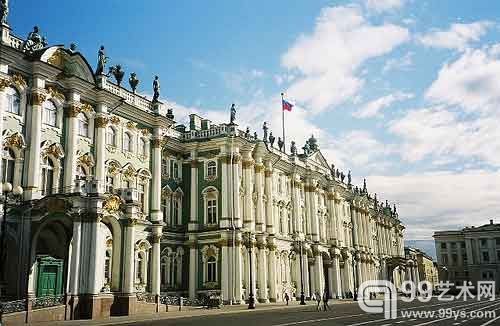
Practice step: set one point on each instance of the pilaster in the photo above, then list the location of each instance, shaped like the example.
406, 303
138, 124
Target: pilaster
156, 212
72, 110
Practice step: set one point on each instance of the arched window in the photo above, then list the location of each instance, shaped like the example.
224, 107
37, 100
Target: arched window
127, 142
110, 181
163, 271
173, 270
212, 211
211, 269
175, 210
111, 136
143, 148
107, 267
47, 177
211, 169
83, 125
8, 161
13, 101
175, 169
139, 266
49, 113
80, 173
141, 190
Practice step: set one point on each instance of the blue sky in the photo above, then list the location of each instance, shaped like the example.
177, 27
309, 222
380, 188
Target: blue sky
402, 92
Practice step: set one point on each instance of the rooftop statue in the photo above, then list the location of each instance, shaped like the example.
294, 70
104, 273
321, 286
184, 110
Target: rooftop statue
35, 41
280, 144
265, 128
133, 81
349, 179
271, 139
102, 59
73, 47
156, 89
313, 144
4, 11
232, 117
247, 132
338, 173
255, 136
332, 170
342, 176
375, 200
306, 148
118, 73
365, 190
293, 148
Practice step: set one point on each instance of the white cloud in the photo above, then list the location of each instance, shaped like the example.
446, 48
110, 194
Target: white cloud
470, 82
402, 63
383, 5
458, 36
373, 108
443, 200
327, 60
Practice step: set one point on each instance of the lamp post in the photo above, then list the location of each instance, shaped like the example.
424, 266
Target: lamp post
302, 296
12, 194
354, 271
251, 299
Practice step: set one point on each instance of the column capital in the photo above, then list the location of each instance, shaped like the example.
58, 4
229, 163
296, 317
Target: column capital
156, 142
38, 97
73, 109
4, 83
101, 121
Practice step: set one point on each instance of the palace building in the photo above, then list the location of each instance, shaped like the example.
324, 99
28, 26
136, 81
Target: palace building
111, 207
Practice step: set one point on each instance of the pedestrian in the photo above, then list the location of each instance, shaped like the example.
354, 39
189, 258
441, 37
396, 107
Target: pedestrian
326, 296
287, 298
318, 300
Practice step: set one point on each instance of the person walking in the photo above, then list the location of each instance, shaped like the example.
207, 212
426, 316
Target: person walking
325, 300
318, 300
287, 298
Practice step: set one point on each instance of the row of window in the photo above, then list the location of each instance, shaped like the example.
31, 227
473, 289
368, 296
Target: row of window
127, 141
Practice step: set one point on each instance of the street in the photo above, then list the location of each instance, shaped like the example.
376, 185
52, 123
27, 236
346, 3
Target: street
349, 314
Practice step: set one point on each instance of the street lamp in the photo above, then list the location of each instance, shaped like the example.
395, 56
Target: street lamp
354, 271
251, 299
302, 296
12, 194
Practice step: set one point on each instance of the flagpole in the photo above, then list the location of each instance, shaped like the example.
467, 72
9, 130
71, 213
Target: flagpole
283, 122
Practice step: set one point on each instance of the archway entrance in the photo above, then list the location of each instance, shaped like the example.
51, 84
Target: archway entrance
50, 276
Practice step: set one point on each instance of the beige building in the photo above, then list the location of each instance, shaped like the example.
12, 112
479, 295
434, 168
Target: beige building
470, 254
120, 209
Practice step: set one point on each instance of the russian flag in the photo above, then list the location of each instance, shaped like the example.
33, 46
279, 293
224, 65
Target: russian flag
287, 106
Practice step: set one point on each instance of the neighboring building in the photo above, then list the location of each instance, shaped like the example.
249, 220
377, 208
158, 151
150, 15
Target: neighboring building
420, 267
471, 254
120, 202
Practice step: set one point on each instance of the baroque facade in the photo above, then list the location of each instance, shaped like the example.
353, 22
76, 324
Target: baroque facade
469, 255
119, 200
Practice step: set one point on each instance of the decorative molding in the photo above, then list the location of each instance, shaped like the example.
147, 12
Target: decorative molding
85, 107
112, 204
129, 173
247, 164
37, 98
114, 120
113, 168
19, 80
73, 110
156, 143
145, 132
15, 140
268, 173
87, 159
101, 122
55, 93
259, 168
4, 83
131, 125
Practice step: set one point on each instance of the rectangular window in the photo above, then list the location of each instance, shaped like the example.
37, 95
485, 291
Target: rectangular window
212, 211
443, 245
462, 245
454, 259
445, 259
484, 242
175, 211
453, 246
498, 242
142, 196
486, 257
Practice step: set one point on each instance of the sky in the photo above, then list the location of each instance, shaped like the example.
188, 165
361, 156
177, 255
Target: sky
403, 93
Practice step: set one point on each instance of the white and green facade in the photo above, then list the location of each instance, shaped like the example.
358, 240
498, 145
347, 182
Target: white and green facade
118, 200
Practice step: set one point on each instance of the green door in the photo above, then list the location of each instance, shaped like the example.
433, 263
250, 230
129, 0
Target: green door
49, 276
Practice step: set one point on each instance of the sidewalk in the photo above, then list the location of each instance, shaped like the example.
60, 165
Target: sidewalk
174, 313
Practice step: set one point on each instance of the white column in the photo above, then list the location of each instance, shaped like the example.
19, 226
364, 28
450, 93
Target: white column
156, 213
337, 285
237, 272
226, 264
75, 258
269, 199
193, 214
193, 270
89, 282
156, 268
307, 283
262, 274
32, 191
272, 275
71, 142
318, 273
128, 274
100, 123
235, 190
313, 212
247, 165
260, 224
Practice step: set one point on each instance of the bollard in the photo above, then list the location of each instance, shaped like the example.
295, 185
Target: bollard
180, 303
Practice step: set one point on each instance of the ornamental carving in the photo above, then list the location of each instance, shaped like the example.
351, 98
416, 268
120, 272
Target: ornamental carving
114, 120
268, 173
85, 107
259, 168
56, 59
129, 173
55, 150
55, 93
87, 159
156, 143
112, 204
15, 141
131, 125
247, 164
19, 81
73, 110
38, 98
145, 132
101, 122
4, 83
113, 168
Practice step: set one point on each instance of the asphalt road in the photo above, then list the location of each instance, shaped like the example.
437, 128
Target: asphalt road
445, 313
